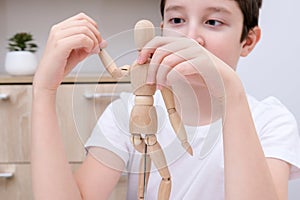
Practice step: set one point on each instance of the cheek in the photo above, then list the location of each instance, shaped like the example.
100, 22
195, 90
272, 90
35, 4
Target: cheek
167, 32
226, 51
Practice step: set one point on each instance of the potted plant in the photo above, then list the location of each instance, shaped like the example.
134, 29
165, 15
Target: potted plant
21, 60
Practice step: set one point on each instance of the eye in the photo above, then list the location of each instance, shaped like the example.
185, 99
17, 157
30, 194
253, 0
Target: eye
176, 20
213, 22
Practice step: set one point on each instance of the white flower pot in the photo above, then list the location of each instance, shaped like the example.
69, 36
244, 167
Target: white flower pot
20, 63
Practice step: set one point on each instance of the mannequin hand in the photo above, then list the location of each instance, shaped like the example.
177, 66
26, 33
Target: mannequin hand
69, 42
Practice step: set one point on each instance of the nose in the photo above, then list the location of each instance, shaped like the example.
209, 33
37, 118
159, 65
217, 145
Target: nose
194, 32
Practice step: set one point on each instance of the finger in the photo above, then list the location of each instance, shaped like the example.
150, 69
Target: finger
162, 56
166, 64
84, 23
103, 44
75, 57
81, 25
73, 31
154, 65
184, 55
79, 41
205, 67
188, 70
172, 60
81, 16
151, 47
162, 73
58, 58
180, 56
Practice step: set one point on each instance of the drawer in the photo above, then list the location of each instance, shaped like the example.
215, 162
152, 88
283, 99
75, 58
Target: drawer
120, 191
15, 182
79, 107
15, 114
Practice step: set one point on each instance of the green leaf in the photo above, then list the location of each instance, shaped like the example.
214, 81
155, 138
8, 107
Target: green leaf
22, 41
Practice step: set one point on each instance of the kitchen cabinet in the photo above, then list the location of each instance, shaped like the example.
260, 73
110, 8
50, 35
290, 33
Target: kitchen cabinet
80, 102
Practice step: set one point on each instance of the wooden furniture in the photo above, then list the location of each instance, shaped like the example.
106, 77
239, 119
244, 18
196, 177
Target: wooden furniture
80, 101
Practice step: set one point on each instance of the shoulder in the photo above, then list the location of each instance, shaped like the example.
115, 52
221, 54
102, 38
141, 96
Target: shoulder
278, 131
265, 104
270, 111
272, 119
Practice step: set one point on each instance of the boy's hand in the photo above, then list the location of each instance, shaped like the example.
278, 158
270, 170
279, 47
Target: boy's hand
69, 42
186, 58
200, 81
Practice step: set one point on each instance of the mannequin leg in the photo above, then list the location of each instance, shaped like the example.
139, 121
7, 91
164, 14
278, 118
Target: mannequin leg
158, 158
145, 164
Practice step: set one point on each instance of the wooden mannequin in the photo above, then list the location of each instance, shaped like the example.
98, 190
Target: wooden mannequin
143, 118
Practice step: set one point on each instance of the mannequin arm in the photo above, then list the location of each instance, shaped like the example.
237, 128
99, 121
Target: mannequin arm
111, 67
175, 119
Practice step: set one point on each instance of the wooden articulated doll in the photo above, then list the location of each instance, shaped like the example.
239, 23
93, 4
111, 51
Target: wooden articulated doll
143, 117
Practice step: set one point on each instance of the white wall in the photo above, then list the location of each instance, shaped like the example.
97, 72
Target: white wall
272, 69
37, 16
2, 33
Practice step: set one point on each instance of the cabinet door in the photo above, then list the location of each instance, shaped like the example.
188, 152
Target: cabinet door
15, 182
79, 107
120, 191
15, 108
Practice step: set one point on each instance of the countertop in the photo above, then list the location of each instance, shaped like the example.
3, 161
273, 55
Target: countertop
81, 78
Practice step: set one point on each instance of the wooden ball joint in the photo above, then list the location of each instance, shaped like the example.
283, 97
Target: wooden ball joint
143, 117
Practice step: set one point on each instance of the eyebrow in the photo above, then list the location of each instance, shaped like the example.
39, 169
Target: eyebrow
219, 9
174, 7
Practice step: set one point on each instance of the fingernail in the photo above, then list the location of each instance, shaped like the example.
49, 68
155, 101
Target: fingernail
103, 44
95, 50
159, 87
149, 81
140, 60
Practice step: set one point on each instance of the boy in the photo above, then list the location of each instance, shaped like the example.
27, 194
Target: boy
259, 147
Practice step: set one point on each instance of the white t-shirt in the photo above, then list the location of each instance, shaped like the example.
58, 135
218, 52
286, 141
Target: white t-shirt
200, 176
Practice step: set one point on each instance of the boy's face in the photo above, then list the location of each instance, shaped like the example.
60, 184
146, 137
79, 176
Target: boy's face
215, 24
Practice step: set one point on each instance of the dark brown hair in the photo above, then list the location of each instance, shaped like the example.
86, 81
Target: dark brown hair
249, 8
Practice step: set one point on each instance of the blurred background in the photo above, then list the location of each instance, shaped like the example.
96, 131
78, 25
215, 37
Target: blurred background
271, 70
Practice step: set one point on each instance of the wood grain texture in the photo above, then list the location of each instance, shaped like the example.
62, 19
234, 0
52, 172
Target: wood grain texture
78, 108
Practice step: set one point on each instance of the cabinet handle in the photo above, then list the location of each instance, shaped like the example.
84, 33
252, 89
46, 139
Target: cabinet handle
6, 175
4, 97
90, 96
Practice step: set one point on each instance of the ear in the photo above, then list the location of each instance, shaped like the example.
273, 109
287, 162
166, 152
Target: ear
161, 25
161, 28
251, 40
